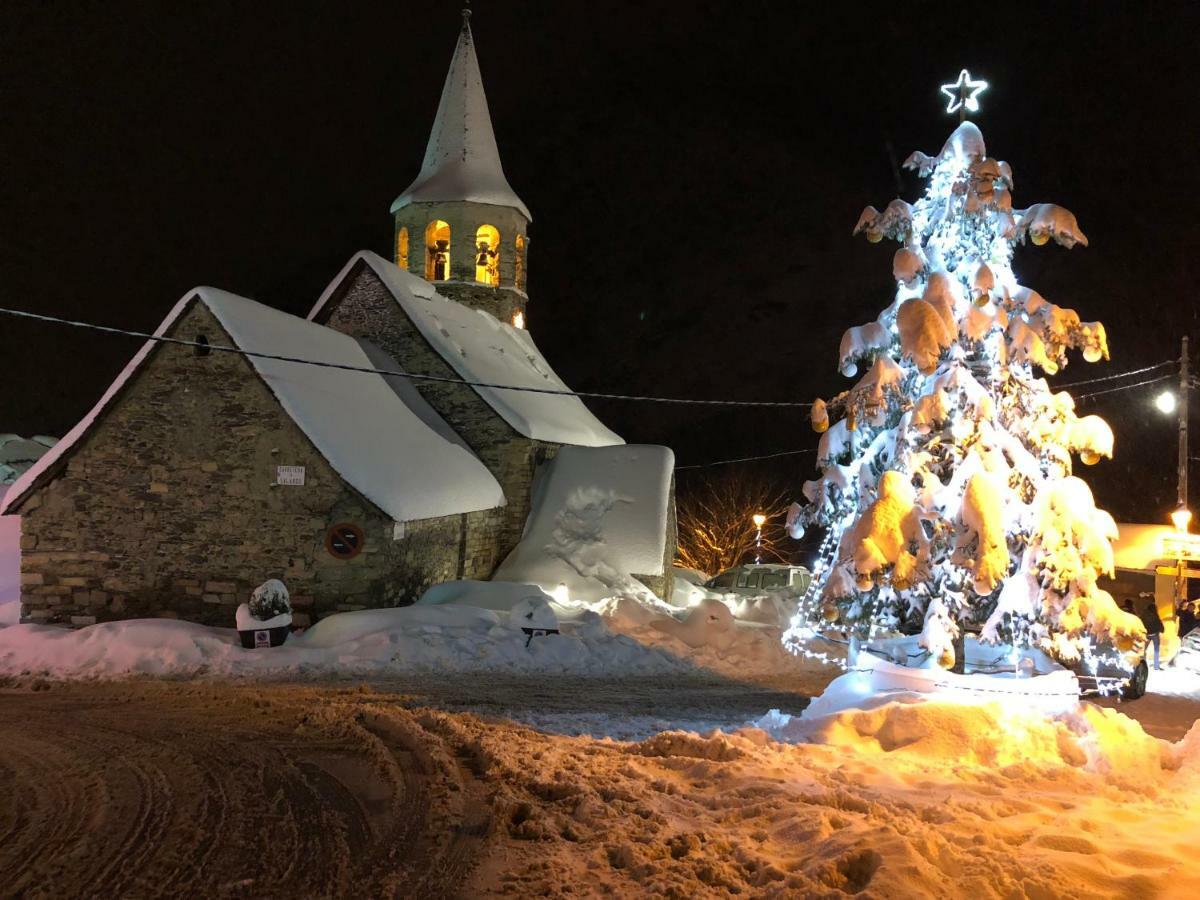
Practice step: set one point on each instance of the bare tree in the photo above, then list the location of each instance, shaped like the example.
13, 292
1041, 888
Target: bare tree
716, 521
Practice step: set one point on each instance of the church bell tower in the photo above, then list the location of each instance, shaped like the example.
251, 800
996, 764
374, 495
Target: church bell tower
460, 225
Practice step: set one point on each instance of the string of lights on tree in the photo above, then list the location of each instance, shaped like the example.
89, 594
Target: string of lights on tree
946, 489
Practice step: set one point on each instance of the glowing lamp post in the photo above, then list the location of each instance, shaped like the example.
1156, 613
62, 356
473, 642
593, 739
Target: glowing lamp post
1181, 518
759, 520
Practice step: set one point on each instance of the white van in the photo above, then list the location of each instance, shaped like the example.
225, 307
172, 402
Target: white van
759, 578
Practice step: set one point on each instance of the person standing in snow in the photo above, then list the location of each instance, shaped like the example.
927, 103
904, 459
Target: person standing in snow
1186, 614
1154, 629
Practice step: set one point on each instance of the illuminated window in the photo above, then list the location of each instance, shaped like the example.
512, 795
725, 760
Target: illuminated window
487, 255
344, 541
437, 251
519, 264
402, 248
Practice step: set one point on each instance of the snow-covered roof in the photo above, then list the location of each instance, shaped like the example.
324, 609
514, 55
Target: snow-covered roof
480, 348
359, 423
462, 161
598, 515
1140, 546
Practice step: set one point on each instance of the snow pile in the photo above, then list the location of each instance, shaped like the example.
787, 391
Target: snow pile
408, 639
993, 734
907, 801
599, 517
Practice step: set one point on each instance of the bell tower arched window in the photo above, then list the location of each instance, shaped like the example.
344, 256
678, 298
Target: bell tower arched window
437, 251
487, 255
402, 248
519, 264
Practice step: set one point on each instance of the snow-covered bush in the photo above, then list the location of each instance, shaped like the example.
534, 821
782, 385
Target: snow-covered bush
270, 599
946, 487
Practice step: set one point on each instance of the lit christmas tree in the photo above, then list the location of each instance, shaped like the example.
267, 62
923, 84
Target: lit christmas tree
946, 487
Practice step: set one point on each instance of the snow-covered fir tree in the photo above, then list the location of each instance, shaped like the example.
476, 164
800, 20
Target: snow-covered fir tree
946, 483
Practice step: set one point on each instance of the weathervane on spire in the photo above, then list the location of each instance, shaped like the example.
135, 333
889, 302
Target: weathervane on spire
964, 95
466, 13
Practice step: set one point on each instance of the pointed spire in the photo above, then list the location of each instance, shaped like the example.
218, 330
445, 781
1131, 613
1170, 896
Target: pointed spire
462, 161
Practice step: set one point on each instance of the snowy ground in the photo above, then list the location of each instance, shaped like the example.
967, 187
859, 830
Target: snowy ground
351, 792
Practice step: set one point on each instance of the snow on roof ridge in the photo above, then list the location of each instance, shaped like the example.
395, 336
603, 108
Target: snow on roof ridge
481, 348
356, 421
462, 161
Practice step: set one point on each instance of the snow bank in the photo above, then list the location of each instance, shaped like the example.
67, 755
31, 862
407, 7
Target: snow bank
496, 595
443, 639
599, 516
991, 734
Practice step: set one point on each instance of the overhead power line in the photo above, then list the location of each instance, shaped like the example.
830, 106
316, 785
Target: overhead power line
725, 462
595, 395
1124, 387
221, 348
1141, 371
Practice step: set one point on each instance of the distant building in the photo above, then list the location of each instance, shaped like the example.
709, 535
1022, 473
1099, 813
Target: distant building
202, 472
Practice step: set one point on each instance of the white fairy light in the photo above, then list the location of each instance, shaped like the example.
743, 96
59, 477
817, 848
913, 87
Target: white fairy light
957, 92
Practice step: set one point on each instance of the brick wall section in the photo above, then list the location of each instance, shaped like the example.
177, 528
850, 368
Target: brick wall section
167, 509
365, 308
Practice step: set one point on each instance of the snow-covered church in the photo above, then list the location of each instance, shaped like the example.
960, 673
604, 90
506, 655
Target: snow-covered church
201, 472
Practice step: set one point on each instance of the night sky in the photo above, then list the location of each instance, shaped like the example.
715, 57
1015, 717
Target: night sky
694, 172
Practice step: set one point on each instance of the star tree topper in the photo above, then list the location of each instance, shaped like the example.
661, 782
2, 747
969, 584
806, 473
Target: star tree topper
964, 94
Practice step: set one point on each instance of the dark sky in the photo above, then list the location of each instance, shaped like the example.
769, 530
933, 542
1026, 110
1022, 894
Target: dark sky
694, 172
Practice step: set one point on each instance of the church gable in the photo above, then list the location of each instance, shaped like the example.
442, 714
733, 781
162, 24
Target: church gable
191, 483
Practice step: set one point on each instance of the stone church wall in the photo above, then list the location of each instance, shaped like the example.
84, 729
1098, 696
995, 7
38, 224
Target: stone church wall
169, 508
366, 309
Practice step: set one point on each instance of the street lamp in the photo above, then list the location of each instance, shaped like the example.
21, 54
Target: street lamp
1181, 518
1165, 403
759, 520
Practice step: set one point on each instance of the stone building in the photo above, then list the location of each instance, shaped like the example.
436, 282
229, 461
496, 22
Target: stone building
512, 432
202, 472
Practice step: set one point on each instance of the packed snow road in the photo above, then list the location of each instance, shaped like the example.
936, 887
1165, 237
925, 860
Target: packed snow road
170, 788
620, 708
156, 789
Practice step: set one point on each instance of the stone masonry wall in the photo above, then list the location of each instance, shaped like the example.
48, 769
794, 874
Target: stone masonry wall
663, 585
169, 508
366, 309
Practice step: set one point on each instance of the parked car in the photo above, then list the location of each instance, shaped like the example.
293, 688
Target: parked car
759, 578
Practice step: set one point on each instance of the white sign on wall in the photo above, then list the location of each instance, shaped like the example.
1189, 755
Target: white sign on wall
1181, 546
289, 474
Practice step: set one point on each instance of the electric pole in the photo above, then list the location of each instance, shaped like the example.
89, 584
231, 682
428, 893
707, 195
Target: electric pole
1183, 425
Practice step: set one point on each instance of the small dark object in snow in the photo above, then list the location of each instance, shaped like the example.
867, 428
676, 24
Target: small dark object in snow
253, 638
537, 632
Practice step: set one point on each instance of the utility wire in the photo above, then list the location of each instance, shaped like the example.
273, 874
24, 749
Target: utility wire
725, 462
220, 348
1124, 387
1142, 371
778, 404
